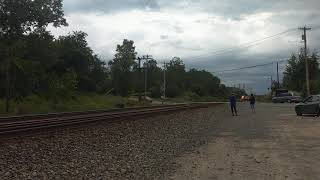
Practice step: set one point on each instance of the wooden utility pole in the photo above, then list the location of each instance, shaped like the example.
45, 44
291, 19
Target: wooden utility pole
271, 84
146, 58
164, 80
140, 83
278, 79
145, 79
304, 38
8, 86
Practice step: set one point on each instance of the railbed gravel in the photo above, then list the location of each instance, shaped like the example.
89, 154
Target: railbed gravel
144, 148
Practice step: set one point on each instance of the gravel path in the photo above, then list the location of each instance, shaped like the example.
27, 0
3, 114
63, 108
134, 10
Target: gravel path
139, 149
272, 144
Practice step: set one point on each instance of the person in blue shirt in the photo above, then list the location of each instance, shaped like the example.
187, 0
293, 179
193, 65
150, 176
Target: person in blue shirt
252, 103
233, 104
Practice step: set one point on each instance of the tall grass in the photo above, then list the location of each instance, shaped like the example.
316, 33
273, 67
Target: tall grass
84, 102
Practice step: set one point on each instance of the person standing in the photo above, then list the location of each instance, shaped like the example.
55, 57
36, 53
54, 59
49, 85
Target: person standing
233, 104
252, 103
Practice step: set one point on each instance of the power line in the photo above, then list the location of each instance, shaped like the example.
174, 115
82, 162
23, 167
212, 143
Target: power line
245, 45
247, 67
241, 46
250, 67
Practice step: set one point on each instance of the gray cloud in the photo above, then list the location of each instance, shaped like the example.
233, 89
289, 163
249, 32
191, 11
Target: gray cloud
164, 37
107, 6
189, 28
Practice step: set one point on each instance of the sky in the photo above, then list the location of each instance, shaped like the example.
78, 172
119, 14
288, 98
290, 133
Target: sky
213, 35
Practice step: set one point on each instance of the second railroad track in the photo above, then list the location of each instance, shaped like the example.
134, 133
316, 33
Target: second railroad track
16, 124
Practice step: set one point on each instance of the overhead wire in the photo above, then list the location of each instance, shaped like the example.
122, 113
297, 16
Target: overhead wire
244, 45
249, 67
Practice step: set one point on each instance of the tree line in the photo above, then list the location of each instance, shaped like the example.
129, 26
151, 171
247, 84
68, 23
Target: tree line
34, 62
127, 77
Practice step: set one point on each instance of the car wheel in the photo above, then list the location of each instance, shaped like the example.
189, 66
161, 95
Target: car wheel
298, 112
318, 114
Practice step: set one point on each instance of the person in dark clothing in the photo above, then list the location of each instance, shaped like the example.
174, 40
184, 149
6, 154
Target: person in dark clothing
252, 103
233, 104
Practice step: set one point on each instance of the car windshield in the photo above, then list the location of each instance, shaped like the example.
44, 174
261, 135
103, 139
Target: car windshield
284, 95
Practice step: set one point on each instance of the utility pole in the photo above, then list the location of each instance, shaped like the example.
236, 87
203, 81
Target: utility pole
278, 79
8, 86
139, 87
304, 38
146, 58
271, 85
145, 79
164, 80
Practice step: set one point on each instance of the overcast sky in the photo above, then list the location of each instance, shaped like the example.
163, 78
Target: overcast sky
197, 31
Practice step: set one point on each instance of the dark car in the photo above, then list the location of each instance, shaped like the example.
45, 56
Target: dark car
286, 97
296, 99
311, 105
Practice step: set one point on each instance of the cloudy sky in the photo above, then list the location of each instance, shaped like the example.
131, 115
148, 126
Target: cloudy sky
214, 35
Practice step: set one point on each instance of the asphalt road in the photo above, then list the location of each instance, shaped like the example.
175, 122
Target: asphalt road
273, 143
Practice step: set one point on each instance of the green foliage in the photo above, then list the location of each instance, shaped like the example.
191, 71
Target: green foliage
81, 102
294, 75
63, 86
37, 69
202, 83
238, 92
121, 67
20, 17
264, 98
315, 86
176, 75
18, 21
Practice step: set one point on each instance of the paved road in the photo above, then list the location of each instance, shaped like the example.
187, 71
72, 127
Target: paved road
272, 144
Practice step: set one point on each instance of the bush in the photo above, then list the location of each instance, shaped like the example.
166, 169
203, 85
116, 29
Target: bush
315, 87
155, 92
191, 96
81, 102
173, 91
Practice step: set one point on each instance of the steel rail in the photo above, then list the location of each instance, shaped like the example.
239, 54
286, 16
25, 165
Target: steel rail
64, 119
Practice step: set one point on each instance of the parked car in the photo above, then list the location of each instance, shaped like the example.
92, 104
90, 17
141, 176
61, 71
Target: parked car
311, 105
282, 98
286, 97
281, 91
296, 99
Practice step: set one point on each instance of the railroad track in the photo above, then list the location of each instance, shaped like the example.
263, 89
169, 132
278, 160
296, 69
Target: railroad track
17, 124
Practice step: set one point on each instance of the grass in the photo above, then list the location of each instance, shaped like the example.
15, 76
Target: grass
83, 102
191, 97
264, 98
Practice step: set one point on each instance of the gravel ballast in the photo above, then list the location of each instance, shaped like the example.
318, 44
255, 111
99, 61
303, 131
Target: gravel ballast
144, 148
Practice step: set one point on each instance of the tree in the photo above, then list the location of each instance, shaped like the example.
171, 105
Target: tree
176, 77
28, 16
294, 75
121, 67
74, 53
202, 83
19, 19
